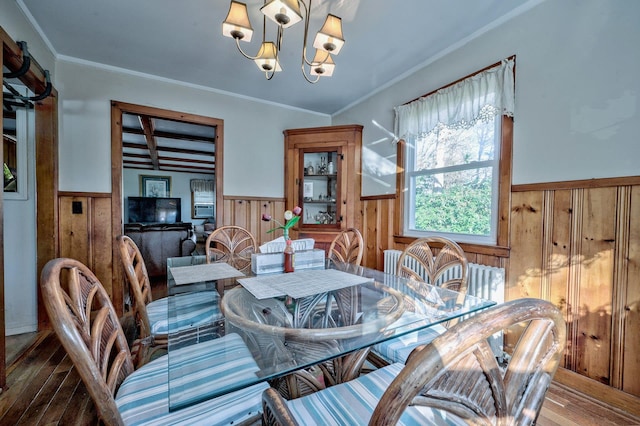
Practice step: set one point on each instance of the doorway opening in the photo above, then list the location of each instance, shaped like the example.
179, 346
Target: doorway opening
156, 155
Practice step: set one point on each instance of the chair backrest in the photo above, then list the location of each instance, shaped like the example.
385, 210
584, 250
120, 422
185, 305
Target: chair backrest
420, 262
233, 245
139, 284
347, 247
458, 372
87, 325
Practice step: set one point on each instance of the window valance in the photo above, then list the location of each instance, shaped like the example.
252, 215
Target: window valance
479, 97
202, 185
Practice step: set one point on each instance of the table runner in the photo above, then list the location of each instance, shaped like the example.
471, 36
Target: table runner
300, 284
206, 272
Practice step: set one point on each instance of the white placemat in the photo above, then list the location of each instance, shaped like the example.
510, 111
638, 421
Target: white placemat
300, 284
206, 272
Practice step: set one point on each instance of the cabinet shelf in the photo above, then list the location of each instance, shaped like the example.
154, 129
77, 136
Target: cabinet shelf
331, 176
332, 203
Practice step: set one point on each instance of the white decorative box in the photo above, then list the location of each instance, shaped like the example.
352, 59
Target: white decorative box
265, 263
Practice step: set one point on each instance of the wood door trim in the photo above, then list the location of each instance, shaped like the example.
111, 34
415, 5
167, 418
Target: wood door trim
117, 108
46, 152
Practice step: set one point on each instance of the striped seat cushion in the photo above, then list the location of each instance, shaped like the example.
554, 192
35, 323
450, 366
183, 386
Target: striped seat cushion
193, 309
143, 397
399, 348
352, 403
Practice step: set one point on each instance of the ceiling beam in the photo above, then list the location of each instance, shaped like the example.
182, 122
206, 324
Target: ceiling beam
170, 135
147, 128
168, 149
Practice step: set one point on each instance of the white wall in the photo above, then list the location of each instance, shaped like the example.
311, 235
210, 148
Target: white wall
20, 278
577, 92
253, 140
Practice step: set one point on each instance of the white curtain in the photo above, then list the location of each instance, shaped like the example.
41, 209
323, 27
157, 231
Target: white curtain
479, 97
201, 185
203, 191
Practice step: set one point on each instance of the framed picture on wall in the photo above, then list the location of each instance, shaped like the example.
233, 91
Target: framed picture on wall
155, 186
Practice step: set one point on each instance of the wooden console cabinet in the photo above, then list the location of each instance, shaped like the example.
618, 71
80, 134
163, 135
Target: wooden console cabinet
323, 176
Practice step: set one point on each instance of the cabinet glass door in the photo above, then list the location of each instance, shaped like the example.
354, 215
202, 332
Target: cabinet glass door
319, 188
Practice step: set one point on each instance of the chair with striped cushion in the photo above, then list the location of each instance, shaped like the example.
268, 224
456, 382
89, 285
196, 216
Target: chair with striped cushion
192, 309
454, 380
86, 323
447, 268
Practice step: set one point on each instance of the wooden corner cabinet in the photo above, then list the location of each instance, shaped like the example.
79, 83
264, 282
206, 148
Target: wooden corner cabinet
323, 176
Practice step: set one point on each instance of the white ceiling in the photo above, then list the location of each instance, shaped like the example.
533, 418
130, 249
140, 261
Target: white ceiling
182, 40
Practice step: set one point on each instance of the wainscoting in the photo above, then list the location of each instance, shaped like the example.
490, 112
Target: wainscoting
576, 244
85, 233
247, 212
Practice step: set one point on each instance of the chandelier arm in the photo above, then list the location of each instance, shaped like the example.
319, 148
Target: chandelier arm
242, 51
304, 74
307, 13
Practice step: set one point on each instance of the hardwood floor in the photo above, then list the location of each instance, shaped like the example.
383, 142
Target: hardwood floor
43, 388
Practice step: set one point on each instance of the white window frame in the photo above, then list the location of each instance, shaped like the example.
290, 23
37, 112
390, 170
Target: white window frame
409, 184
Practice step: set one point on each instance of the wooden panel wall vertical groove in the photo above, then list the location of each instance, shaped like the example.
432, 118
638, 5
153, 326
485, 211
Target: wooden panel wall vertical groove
631, 306
573, 286
620, 276
547, 244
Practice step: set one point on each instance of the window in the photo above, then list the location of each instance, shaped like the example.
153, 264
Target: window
452, 157
202, 197
17, 123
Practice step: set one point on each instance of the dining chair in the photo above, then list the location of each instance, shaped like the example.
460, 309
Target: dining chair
447, 268
193, 310
453, 380
347, 247
87, 325
233, 245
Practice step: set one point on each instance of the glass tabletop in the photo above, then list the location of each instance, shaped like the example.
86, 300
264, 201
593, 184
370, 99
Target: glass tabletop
294, 321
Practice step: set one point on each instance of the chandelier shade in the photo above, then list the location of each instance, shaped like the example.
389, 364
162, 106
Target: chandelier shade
237, 24
267, 58
286, 13
283, 12
329, 37
322, 64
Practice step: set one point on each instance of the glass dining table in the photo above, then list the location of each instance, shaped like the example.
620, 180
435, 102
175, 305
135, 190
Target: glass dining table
292, 323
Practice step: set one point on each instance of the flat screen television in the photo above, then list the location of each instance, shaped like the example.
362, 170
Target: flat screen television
153, 210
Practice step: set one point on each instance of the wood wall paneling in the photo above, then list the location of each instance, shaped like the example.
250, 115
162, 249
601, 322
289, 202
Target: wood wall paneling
582, 252
86, 236
247, 212
101, 252
596, 283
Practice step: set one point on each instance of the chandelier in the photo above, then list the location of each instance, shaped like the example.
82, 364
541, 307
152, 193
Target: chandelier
285, 13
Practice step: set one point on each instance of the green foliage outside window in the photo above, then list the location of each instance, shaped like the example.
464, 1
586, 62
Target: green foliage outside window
461, 208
